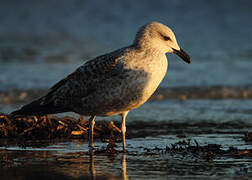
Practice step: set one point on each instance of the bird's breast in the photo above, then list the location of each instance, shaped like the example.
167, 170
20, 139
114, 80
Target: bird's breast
156, 72
147, 78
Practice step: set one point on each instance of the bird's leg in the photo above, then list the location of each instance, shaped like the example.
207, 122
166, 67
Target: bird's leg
91, 131
123, 129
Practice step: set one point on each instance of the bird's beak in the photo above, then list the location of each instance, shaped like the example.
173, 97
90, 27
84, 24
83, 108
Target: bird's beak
181, 53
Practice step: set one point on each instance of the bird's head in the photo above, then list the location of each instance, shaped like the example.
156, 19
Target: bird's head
155, 35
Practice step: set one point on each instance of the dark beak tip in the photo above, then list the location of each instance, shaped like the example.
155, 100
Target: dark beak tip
189, 61
183, 55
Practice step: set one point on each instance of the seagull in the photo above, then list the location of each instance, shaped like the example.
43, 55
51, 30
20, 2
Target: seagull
114, 83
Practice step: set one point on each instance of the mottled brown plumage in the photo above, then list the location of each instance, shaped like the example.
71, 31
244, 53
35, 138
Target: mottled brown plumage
114, 83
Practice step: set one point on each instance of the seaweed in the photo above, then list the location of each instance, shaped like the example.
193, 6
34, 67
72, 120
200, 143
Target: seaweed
209, 152
51, 127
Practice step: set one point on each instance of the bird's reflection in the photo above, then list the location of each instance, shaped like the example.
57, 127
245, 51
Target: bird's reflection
92, 164
92, 169
124, 167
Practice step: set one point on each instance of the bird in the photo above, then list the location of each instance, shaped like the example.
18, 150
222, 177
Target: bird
114, 83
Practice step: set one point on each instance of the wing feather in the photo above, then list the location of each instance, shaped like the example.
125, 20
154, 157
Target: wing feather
83, 81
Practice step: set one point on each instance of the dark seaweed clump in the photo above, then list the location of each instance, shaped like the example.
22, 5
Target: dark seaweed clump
187, 149
51, 127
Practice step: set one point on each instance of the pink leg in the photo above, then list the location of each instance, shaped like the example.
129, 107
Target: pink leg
91, 131
123, 130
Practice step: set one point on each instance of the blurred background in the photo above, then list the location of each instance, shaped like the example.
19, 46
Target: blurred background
43, 41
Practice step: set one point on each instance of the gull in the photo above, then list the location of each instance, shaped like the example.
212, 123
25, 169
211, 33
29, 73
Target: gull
114, 83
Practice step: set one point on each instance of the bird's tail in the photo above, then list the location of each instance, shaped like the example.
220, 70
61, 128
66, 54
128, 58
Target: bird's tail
35, 108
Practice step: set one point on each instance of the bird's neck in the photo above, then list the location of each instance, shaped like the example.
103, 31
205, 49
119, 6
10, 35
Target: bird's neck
143, 58
146, 46
148, 51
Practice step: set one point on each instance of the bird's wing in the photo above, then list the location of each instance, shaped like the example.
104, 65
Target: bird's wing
83, 81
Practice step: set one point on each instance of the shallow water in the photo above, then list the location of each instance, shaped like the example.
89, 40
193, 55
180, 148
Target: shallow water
71, 160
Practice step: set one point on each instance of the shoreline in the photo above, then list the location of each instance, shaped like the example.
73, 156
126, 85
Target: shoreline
15, 95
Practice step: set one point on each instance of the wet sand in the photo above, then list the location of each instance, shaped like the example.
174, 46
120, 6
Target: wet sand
158, 150
146, 157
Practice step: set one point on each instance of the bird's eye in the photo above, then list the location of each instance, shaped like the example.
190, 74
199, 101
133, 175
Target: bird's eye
166, 38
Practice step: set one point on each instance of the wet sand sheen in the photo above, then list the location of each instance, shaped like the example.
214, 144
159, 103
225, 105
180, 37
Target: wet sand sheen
71, 160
